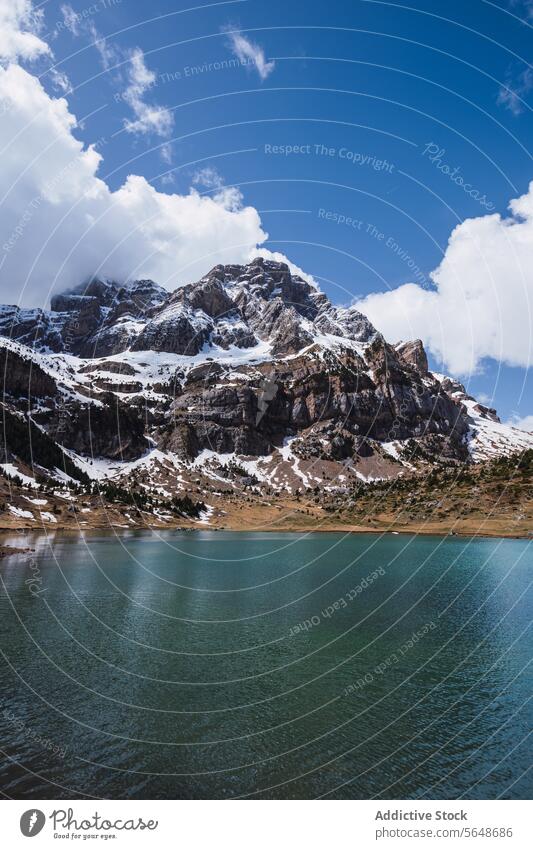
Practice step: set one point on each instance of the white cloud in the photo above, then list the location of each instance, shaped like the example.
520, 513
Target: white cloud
60, 81
483, 299
20, 24
247, 51
166, 153
208, 177
512, 94
109, 55
229, 196
61, 224
167, 179
77, 24
71, 19
149, 118
522, 422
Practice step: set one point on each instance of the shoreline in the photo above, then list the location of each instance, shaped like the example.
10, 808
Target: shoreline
442, 533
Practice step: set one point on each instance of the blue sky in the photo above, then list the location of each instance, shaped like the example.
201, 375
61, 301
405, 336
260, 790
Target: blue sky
349, 130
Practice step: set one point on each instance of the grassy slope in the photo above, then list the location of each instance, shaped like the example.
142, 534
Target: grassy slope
494, 499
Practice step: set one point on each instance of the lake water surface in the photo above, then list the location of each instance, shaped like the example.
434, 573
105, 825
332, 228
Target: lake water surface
224, 665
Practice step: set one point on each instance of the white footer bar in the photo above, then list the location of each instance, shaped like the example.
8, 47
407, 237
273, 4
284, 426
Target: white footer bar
268, 825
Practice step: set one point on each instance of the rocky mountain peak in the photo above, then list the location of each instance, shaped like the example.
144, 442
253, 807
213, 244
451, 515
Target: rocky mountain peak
143, 294
240, 306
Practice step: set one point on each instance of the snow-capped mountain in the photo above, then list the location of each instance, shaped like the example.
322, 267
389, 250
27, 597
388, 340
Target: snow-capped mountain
249, 375
232, 306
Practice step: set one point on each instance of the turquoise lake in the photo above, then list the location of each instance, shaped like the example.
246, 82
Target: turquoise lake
229, 665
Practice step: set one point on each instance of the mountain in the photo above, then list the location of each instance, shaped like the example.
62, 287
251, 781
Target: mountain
248, 380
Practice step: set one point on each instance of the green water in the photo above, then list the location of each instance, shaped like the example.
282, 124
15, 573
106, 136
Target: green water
223, 665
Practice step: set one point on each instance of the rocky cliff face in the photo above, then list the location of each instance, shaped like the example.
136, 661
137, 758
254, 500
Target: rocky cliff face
250, 362
337, 403
22, 379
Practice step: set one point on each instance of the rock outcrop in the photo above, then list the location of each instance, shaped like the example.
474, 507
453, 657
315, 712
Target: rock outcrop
414, 354
111, 429
23, 379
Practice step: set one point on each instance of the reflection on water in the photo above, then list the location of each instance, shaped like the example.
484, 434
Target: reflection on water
218, 665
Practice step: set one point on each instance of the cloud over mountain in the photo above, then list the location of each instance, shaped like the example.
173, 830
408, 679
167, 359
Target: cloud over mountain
59, 220
60, 223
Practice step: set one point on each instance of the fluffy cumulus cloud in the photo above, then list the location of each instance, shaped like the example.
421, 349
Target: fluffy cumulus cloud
20, 24
247, 51
482, 304
60, 223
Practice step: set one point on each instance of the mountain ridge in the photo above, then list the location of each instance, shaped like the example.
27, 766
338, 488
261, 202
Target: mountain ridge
249, 376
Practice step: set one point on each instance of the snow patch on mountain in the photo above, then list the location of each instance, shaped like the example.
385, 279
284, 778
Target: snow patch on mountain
488, 438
